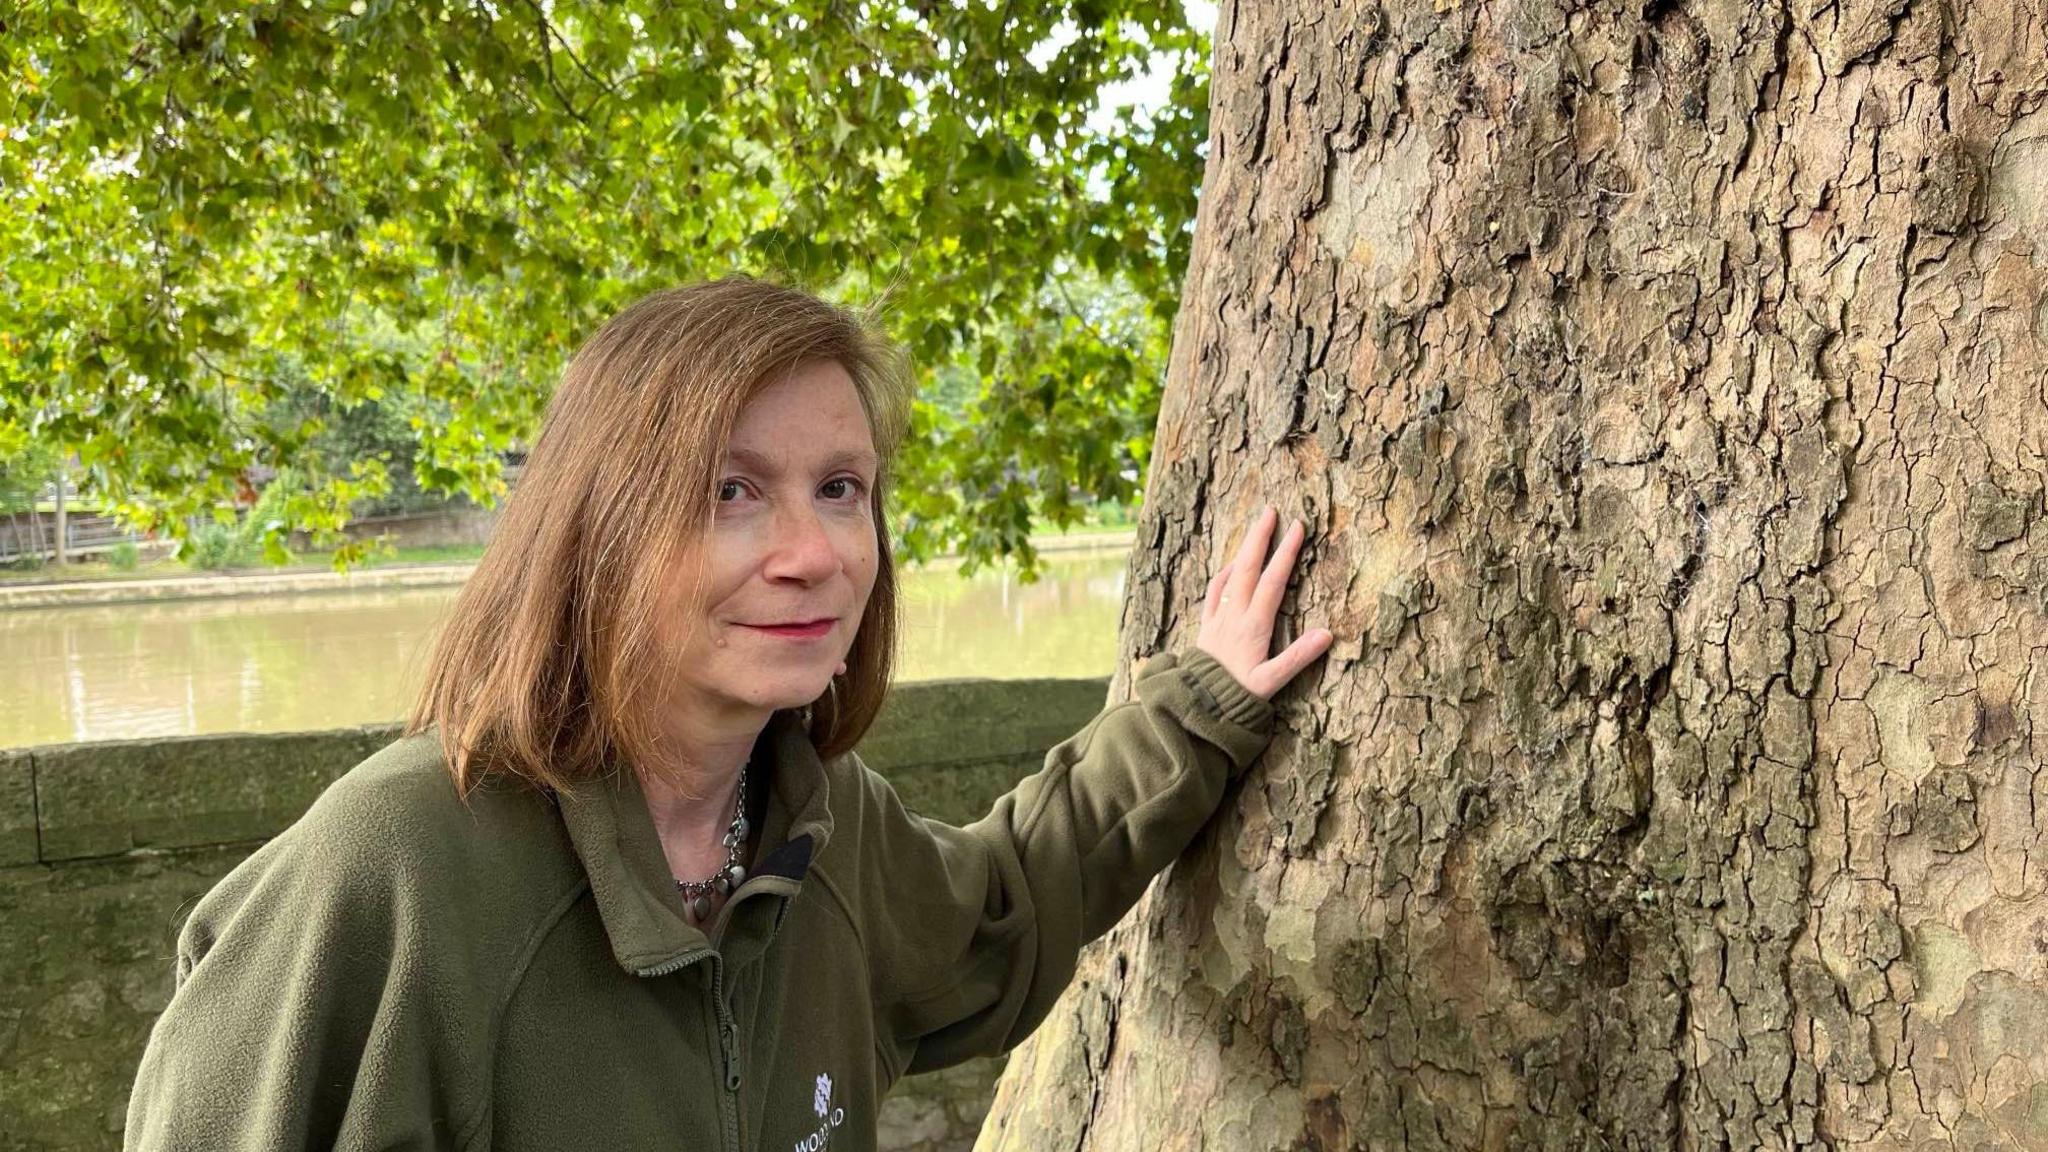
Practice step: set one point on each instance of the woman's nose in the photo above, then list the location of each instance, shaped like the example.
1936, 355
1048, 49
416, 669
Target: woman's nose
803, 548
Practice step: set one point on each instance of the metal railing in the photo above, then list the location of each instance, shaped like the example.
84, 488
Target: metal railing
33, 535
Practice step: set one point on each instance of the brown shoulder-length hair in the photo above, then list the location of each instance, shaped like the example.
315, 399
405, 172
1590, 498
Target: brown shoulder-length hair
542, 668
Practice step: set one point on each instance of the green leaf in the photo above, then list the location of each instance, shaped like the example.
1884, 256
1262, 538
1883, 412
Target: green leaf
322, 233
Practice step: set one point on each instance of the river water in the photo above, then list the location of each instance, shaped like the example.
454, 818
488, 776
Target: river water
324, 660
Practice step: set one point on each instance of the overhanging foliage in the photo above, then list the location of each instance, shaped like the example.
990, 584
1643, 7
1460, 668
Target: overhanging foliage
209, 209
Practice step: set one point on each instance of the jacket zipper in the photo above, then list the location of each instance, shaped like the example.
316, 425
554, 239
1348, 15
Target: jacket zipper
728, 1029
728, 1047
677, 964
728, 1033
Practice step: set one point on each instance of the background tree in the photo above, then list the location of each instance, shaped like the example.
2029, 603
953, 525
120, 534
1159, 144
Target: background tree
1663, 385
211, 205
27, 469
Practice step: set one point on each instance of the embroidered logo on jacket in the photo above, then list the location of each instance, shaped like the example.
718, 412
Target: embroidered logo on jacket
829, 1117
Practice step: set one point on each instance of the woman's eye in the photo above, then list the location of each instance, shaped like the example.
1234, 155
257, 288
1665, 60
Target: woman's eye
842, 488
731, 490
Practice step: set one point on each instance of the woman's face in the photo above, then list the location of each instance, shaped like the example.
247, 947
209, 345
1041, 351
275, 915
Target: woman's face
790, 554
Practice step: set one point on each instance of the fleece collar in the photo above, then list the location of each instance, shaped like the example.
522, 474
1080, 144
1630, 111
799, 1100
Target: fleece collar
613, 833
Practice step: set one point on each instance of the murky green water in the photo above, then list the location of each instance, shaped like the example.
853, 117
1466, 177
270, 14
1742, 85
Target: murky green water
279, 663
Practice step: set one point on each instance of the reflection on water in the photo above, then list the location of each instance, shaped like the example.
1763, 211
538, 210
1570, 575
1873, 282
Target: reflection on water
279, 663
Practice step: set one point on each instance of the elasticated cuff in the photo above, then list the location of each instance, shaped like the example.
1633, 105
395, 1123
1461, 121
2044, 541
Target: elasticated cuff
1232, 700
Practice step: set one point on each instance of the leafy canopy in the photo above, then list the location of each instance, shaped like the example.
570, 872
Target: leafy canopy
225, 223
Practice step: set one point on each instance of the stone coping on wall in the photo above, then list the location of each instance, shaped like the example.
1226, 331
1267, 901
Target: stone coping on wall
77, 801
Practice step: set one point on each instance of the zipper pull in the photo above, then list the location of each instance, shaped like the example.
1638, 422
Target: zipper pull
728, 1039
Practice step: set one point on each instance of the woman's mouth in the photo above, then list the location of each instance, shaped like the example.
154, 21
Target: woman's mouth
798, 630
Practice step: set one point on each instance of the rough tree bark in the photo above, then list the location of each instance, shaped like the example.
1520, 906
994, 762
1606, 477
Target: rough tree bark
1663, 384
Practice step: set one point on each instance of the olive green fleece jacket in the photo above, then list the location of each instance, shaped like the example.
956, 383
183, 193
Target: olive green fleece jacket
401, 969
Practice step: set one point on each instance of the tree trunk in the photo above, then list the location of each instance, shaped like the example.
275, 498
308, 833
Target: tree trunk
1663, 387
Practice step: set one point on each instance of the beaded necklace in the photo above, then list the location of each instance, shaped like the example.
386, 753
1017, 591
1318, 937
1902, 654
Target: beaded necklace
697, 893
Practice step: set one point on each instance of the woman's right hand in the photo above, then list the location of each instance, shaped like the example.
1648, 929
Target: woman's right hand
1242, 603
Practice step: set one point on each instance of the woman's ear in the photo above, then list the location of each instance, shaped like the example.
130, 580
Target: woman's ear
842, 669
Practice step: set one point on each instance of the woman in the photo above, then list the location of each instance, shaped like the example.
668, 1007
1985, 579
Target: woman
625, 884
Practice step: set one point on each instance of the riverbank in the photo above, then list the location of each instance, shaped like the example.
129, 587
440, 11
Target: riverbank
291, 581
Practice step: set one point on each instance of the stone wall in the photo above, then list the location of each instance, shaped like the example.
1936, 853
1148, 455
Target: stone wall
105, 847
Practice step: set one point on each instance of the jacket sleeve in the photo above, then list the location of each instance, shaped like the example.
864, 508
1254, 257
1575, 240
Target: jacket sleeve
301, 1018
972, 933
